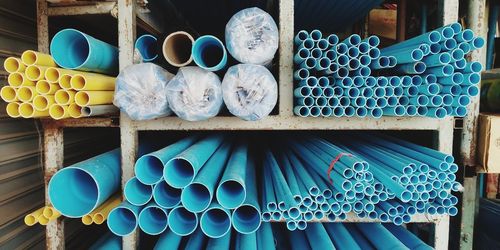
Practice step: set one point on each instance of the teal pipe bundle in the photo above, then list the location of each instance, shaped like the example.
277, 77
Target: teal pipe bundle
422, 76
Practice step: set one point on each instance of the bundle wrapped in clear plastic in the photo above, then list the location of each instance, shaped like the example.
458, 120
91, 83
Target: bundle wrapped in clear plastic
252, 36
195, 94
141, 90
250, 91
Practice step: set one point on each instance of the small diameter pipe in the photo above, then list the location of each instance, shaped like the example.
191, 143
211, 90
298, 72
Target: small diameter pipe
93, 181
181, 170
153, 219
43, 102
30, 57
12, 109
72, 49
13, 65
232, 190
209, 53
87, 98
147, 46
100, 214
375, 231
17, 79
177, 48
54, 75
215, 221
182, 222
123, 219
166, 196
96, 110
45, 88
50, 213
32, 218
246, 219
26, 110
9, 94
35, 72
74, 110
196, 196
90, 81
58, 112
137, 193
64, 97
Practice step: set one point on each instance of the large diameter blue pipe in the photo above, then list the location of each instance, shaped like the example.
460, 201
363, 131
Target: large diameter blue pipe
375, 231
109, 241
168, 240
147, 47
215, 221
246, 218
182, 222
406, 237
137, 193
197, 240
196, 197
73, 49
149, 168
223, 242
166, 196
340, 236
123, 219
318, 237
209, 53
265, 238
80, 188
246, 241
181, 170
298, 240
153, 219
232, 189
492, 29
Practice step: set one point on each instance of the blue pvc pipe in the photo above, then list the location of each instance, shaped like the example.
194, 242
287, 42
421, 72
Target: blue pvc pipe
411, 68
223, 242
76, 190
340, 236
232, 189
137, 193
122, 220
215, 221
246, 218
147, 47
246, 241
375, 231
168, 240
197, 240
300, 37
73, 49
109, 241
209, 53
153, 219
318, 237
182, 222
166, 196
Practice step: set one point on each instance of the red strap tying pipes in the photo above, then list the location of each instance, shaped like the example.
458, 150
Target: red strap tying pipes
332, 164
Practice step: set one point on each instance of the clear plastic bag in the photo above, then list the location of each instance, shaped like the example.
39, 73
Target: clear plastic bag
250, 91
195, 94
141, 91
252, 36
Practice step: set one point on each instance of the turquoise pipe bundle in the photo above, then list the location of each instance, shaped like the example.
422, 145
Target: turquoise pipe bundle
427, 75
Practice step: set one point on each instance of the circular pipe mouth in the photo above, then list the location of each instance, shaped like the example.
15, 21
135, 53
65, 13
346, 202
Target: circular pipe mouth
209, 53
196, 197
26, 94
137, 193
149, 169
16, 79
230, 194
323, 44
75, 111
216, 222
34, 73
467, 35
166, 196
41, 102
178, 172
302, 35
447, 32
476, 67
182, 222
417, 54
64, 97
29, 57
354, 39
8, 94
333, 39
246, 219
57, 111
76, 50
474, 78
316, 53
153, 220
12, 65
122, 221
12, 109
342, 48
457, 54
434, 36
478, 42
78, 82
43, 87
316, 35
147, 47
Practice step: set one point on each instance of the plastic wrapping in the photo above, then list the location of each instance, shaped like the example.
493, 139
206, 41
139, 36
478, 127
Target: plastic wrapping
195, 94
252, 36
141, 90
249, 91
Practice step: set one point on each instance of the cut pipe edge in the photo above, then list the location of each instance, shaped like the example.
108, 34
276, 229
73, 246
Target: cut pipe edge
64, 97
13, 65
215, 222
51, 213
74, 110
123, 219
57, 111
88, 81
65, 81
32, 218
147, 47
45, 88
182, 222
43, 102
177, 48
9, 94
86, 98
153, 219
26, 93
35, 72
12, 109
18, 79
26, 110
30, 57
246, 219
202, 49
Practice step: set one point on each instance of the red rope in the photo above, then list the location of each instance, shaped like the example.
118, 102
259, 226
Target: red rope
332, 164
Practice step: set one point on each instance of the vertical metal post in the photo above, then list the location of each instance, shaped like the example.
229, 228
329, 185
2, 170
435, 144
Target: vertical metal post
42, 26
286, 30
128, 134
468, 213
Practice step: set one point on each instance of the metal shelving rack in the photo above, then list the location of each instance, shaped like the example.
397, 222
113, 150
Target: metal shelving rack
129, 20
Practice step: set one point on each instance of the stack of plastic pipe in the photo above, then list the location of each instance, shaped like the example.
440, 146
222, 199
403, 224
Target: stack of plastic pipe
42, 216
38, 88
427, 75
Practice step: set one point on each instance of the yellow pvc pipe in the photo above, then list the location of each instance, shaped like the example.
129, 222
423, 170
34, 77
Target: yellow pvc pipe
30, 57
26, 93
65, 81
26, 110
54, 74
8, 94
51, 213
32, 218
58, 112
85, 98
43, 220
64, 97
13, 109
90, 81
18, 79
100, 215
74, 111
43, 102
13, 64
35, 73
45, 88
87, 220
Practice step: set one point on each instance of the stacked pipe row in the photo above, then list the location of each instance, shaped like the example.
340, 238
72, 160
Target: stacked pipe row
196, 93
42, 216
427, 75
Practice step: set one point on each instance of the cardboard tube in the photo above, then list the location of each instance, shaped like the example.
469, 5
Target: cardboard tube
18, 79
13, 64
58, 112
86, 98
35, 73
99, 110
26, 110
8, 94
43, 87
102, 212
30, 57
65, 81
13, 109
65, 97
177, 48
88, 81
50, 213
32, 218
26, 93
43, 102
74, 111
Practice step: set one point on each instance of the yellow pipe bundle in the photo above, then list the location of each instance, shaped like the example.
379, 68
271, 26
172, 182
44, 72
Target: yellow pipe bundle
42, 215
38, 88
100, 214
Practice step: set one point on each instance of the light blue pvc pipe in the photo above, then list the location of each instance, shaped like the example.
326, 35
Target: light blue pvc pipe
109, 241
340, 236
73, 49
246, 218
300, 74
182, 222
318, 237
196, 196
364, 48
209, 53
215, 221
303, 175
441, 71
300, 37
352, 40
122, 220
168, 240
290, 176
231, 191
471, 79
411, 68
407, 56
223, 242
283, 192
147, 47
437, 59
375, 231
153, 219
136, 192
181, 170
460, 64
428, 38
472, 67
477, 43
196, 241
265, 238
166, 196
315, 35
246, 241
76, 190
301, 55
298, 240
